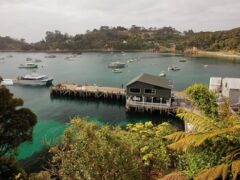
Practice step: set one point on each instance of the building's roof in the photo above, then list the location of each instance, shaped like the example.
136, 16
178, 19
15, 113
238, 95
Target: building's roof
215, 81
152, 80
232, 83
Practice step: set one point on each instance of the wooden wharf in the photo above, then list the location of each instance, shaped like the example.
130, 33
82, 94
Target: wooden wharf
118, 94
88, 91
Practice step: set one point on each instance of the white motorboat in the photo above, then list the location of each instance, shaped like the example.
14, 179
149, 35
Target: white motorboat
117, 71
116, 65
173, 68
162, 74
130, 60
34, 80
28, 66
7, 82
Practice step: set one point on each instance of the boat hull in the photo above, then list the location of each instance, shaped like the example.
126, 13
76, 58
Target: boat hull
34, 82
27, 67
116, 66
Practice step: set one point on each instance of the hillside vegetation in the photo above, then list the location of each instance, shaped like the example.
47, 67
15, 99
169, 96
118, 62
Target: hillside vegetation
134, 38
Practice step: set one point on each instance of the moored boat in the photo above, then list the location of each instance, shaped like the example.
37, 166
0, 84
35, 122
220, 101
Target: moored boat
28, 66
162, 74
182, 60
38, 60
116, 65
34, 80
50, 56
7, 82
173, 68
130, 60
117, 71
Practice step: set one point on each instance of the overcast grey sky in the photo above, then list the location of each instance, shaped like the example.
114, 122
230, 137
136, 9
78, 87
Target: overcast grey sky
30, 19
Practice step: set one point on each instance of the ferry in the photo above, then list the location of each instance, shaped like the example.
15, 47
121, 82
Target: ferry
28, 66
116, 65
34, 80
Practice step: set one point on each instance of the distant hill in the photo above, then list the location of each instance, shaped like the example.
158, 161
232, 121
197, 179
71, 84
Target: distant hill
134, 38
8, 43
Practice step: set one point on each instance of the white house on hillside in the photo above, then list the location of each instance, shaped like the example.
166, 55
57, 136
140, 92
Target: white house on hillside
231, 89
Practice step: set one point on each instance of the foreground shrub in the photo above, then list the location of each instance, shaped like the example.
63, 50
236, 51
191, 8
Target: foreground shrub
88, 151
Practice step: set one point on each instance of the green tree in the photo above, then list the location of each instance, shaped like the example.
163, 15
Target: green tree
204, 100
16, 126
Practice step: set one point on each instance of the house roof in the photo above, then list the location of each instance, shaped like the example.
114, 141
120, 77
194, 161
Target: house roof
153, 80
232, 83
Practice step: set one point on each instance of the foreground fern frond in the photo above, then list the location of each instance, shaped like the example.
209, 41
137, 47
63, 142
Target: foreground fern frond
185, 141
214, 172
201, 123
220, 171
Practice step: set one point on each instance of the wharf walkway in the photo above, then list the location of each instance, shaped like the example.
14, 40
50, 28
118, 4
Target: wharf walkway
88, 91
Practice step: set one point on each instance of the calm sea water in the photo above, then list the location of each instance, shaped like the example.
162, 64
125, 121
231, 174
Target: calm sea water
54, 114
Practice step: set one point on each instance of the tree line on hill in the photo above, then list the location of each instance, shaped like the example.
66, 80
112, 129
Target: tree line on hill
134, 38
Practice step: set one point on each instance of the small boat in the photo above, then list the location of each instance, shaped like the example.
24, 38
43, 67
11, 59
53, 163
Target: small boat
117, 71
34, 80
9, 56
182, 60
50, 56
7, 82
173, 68
205, 65
28, 59
116, 65
38, 60
162, 74
28, 66
130, 60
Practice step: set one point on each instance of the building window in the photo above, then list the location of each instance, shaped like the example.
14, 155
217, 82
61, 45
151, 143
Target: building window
150, 91
135, 90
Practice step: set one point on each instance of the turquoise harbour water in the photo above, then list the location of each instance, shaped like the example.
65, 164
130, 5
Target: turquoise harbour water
54, 114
